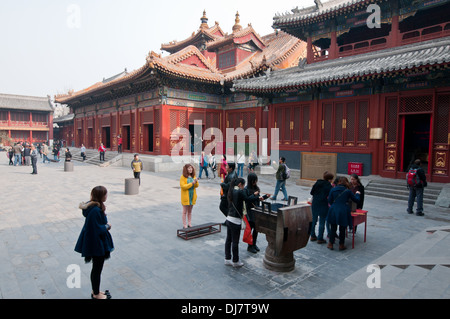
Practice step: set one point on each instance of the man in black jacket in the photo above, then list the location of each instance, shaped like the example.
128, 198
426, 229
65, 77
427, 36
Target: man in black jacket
416, 182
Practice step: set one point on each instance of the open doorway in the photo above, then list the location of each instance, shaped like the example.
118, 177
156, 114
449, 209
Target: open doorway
148, 137
416, 140
106, 137
126, 138
196, 145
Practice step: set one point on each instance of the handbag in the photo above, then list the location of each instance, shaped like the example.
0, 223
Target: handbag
247, 238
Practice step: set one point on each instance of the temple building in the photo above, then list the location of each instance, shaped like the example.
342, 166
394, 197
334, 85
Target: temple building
186, 89
25, 119
374, 88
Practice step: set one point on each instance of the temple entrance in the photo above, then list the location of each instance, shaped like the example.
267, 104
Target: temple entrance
106, 137
90, 138
148, 138
196, 139
416, 140
126, 138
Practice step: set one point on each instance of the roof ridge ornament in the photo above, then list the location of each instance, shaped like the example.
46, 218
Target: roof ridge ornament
204, 20
237, 27
319, 4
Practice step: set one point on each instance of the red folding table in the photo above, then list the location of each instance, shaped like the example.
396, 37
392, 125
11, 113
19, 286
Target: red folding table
359, 217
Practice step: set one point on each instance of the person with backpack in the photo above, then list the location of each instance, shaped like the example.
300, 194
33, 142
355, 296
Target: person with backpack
416, 181
282, 174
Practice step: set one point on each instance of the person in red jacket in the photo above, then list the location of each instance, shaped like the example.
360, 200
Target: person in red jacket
102, 151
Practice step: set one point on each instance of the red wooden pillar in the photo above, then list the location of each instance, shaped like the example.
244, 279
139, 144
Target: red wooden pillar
333, 52
165, 128
394, 35
50, 126
309, 51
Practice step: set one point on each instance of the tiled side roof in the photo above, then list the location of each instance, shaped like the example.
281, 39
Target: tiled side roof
201, 33
326, 8
231, 38
432, 52
125, 76
282, 50
170, 65
279, 49
25, 103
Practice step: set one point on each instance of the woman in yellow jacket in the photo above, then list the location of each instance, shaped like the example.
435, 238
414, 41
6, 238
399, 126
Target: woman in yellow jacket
188, 184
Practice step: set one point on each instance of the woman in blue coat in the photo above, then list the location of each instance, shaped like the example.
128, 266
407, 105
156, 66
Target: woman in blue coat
95, 242
339, 213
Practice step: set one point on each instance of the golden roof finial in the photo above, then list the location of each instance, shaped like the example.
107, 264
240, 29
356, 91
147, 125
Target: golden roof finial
204, 20
237, 27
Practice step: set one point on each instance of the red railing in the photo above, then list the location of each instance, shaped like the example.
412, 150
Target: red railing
428, 33
362, 46
408, 37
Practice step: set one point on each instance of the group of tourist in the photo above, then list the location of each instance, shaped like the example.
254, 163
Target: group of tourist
26, 154
331, 207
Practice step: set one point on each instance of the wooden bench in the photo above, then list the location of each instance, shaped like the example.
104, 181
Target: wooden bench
199, 231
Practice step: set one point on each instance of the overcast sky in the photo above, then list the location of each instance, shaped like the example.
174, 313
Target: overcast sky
50, 46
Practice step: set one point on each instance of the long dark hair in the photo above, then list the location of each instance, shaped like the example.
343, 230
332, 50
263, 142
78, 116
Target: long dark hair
98, 194
234, 182
252, 179
355, 176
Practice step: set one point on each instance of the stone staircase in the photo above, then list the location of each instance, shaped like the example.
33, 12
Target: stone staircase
396, 189
93, 157
418, 268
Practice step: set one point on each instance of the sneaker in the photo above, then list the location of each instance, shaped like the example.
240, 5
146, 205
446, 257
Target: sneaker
420, 214
228, 262
272, 198
238, 264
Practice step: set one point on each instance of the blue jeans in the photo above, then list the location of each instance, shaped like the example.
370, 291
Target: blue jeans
46, 158
240, 168
17, 159
280, 184
415, 193
201, 170
322, 221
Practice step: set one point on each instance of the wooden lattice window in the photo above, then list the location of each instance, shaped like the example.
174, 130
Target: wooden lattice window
345, 123
327, 122
442, 119
293, 122
391, 120
416, 104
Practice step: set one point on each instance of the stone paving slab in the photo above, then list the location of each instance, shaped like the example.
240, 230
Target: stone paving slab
40, 223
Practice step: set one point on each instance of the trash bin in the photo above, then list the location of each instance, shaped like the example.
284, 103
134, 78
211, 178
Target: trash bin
355, 168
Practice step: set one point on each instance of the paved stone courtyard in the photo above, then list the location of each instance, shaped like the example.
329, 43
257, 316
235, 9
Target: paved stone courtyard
40, 223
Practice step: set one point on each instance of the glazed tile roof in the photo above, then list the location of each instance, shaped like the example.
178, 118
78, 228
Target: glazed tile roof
234, 38
25, 103
328, 8
208, 33
281, 50
433, 52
